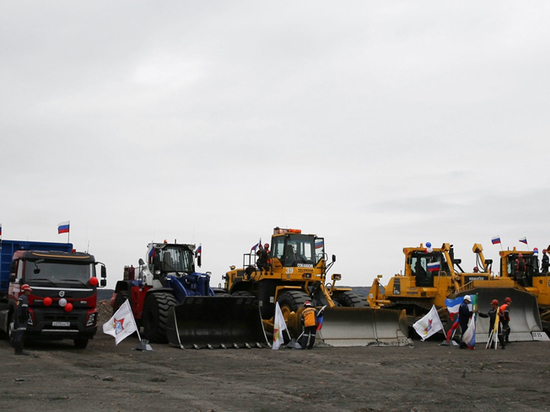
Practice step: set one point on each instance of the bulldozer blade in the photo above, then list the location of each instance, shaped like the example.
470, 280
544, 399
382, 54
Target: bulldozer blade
525, 323
349, 326
216, 322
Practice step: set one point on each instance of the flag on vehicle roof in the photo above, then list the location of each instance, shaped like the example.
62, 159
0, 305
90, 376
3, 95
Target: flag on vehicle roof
495, 240
523, 240
469, 336
429, 324
122, 324
198, 251
0, 229
253, 248
434, 266
279, 325
63, 227
318, 243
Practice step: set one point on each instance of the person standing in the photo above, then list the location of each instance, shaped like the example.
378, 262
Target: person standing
464, 315
21, 319
545, 262
521, 270
492, 315
309, 321
504, 314
264, 258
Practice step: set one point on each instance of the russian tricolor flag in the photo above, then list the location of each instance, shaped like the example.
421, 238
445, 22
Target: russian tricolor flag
318, 244
198, 251
495, 240
523, 240
63, 227
253, 248
434, 266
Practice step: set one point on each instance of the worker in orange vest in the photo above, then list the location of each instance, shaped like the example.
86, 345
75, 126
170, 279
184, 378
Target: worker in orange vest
309, 320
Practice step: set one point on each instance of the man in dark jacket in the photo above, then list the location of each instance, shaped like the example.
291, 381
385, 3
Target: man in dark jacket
492, 314
21, 319
464, 315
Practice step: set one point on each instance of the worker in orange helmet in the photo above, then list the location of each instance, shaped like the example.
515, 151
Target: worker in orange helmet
309, 320
504, 314
494, 328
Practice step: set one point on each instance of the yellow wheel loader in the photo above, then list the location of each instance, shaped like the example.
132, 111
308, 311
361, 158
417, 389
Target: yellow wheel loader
433, 275
295, 271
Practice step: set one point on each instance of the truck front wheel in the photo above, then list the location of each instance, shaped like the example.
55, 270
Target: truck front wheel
155, 315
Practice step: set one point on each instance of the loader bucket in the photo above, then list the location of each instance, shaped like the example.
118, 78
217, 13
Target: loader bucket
216, 322
351, 326
525, 323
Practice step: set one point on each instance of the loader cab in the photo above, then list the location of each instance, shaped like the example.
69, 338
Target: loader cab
425, 266
165, 258
298, 250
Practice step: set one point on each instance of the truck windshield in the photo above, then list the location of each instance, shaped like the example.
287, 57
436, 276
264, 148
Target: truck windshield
55, 271
298, 250
174, 259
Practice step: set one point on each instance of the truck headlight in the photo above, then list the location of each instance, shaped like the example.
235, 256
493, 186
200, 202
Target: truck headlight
91, 319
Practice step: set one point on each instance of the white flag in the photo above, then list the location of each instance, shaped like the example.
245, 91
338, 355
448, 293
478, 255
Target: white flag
429, 324
279, 325
122, 324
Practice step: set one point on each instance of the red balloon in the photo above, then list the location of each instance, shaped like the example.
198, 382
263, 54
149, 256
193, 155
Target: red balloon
94, 281
47, 301
68, 307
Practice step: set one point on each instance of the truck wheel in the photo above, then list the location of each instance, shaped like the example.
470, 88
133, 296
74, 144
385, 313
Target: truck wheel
81, 343
290, 302
155, 315
120, 299
352, 300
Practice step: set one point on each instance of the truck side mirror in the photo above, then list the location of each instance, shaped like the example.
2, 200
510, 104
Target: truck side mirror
103, 283
333, 258
103, 272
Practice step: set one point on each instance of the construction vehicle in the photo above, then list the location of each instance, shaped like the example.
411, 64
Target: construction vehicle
295, 272
532, 280
173, 303
62, 304
434, 274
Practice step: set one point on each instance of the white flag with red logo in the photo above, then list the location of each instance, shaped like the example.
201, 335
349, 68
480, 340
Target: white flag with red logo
279, 325
122, 324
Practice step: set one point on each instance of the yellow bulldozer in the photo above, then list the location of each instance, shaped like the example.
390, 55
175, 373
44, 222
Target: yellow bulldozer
433, 275
294, 271
522, 267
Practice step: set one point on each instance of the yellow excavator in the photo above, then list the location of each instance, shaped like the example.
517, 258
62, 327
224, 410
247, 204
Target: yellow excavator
294, 271
433, 275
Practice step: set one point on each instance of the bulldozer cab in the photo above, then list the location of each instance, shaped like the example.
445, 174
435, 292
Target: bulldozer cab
520, 268
424, 266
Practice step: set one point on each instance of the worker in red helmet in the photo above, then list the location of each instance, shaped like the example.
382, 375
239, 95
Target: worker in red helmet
504, 314
495, 326
521, 270
21, 319
309, 321
264, 258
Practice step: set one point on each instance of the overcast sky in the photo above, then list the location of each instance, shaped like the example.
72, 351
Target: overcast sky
375, 124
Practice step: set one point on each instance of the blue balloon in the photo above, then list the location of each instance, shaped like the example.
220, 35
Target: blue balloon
428, 244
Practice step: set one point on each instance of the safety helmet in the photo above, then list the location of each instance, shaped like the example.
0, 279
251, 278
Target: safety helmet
468, 298
507, 300
26, 287
543, 250
494, 302
307, 303
266, 246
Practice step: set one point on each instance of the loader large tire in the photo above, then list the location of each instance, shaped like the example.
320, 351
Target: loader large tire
290, 302
155, 315
352, 300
